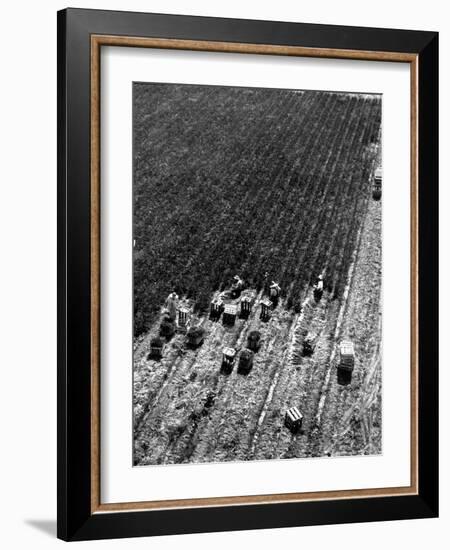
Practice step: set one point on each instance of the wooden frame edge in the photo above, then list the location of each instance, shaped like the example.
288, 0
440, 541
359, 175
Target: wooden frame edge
231, 47
254, 499
248, 48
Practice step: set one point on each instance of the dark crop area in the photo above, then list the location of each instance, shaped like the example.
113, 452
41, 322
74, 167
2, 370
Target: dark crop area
246, 181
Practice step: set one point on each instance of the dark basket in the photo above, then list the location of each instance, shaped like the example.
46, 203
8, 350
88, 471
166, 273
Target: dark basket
167, 328
195, 332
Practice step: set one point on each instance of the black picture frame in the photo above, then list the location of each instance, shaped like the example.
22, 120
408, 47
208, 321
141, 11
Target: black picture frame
76, 520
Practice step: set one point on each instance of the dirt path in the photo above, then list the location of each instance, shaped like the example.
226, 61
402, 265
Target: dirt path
351, 418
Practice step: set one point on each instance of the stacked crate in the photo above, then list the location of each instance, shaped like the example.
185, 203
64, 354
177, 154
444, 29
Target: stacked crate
254, 340
228, 357
266, 308
245, 361
216, 309
293, 419
246, 307
346, 362
376, 189
156, 348
229, 314
195, 336
183, 318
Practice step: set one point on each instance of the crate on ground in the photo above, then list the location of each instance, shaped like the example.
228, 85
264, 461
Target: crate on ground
346, 355
346, 362
167, 327
156, 348
378, 175
266, 310
344, 377
309, 343
245, 361
216, 309
195, 336
377, 183
229, 314
254, 340
183, 319
293, 419
246, 307
228, 357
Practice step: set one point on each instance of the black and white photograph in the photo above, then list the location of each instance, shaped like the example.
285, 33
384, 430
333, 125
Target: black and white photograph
222, 254
257, 266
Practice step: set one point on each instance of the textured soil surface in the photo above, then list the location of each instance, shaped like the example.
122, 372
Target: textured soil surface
186, 410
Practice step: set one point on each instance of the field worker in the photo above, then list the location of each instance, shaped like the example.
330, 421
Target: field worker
236, 287
171, 304
265, 283
319, 284
274, 289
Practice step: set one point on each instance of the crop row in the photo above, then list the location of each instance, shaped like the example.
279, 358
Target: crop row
247, 181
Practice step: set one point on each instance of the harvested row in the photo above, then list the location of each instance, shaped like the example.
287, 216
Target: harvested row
350, 408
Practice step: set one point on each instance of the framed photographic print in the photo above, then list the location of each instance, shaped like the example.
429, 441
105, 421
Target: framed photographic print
247, 252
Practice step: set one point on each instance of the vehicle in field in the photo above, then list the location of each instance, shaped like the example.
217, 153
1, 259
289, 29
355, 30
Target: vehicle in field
228, 357
156, 348
245, 361
195, 336
293, 420
309, 343
377, 181
346, 362
254, 340
229, 314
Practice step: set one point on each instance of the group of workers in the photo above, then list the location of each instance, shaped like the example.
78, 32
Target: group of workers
274, 290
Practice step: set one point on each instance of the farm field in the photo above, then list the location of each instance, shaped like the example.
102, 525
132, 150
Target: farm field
269, 185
